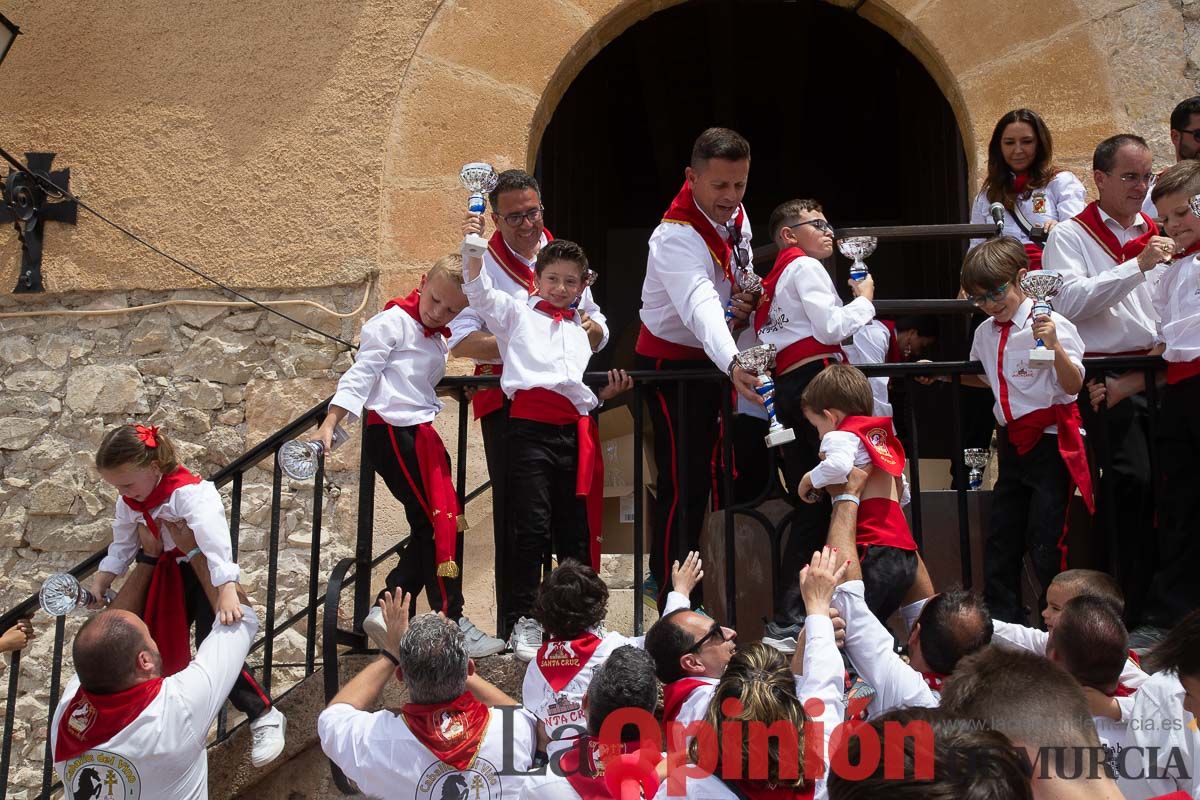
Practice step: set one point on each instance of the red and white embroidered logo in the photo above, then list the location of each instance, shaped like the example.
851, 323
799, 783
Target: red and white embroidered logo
878, 438
81, 719
1039, 203
560, 653
450, 726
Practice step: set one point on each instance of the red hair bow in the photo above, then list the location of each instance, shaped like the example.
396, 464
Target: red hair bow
148, 435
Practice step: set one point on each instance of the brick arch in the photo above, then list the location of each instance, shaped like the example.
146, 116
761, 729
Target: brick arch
487, 75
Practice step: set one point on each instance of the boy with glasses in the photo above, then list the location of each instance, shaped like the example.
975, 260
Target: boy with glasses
1041, 453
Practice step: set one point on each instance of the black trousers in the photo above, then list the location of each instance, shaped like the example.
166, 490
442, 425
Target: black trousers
494, 428
1124, 522
1175, 588
393, 454
1029, 509
753, 471
543, 509
247, 696
686, 420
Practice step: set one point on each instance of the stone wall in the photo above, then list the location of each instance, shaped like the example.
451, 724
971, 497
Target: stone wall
219, 379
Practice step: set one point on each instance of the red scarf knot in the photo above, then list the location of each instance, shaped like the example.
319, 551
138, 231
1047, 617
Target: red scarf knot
411, 306
1020, 182
554, 312
148, 434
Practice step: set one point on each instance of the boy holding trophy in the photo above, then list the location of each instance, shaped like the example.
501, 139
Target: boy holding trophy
1040, 444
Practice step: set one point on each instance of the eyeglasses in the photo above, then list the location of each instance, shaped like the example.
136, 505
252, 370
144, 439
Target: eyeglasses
994, 296
1195, 133
819, 224
532, 215
715, 632
1132, 177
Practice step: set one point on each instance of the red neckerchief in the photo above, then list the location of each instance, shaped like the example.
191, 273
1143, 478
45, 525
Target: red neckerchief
1177, 795
684, 211
411, 306
514, 267
759, 792
584, 766
785, 257
934, 680
90, 719
452, 731
1192, 249
1122, 691
675, 694
1091, 222
894, 354
1020, 182
554, 312
561, 659
1135, 658
882, 446
165, 614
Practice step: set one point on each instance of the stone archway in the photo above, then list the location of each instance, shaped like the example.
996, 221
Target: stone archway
487, 75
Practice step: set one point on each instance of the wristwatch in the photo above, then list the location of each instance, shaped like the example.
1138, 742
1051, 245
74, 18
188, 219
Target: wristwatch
144, 558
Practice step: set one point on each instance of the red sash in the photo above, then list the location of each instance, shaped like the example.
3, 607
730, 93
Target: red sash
881, 522
90, 720
560, 659
785, 257
651, 346
675, 694
439, 500
451, 731
513, 266
1180, 371
684, 211
803, 350
411, 306
1089, 219
165, 614
881, 444
489, 400
544, 405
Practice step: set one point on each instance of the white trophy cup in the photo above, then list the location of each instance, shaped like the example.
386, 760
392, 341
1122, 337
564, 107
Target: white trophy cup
976, 459
479, 179
298, 458
1041, 286
62, 593
747, 280
759, 360
857, 248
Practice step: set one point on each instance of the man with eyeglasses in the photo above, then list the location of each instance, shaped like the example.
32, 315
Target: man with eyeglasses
690, 652
1110, 256
517, 213
1185, 138
695, 254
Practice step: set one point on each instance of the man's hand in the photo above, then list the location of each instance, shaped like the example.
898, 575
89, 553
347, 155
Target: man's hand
864, 288
619, 382
741, 304
745, 383
839, 628
1043, 328
324, 434
181, 534
685, 577
1158, 250
229, 605
151, 544
395, 617
820, 578
593, 330
929, 380
473, 223
805, 491
1098, 393
101, 582
17, 637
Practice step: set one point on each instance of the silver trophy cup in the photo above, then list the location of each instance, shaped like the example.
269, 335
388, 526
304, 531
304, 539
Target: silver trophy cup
759, 360
1041, 286
857, 248
479, 179
747, 281
62, 593
299, 458
976, 459
588, 280
1194, 205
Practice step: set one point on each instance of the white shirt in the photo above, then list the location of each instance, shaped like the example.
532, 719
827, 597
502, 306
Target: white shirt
200, 506
696, 705
1021, 637
869, 646
377, 751
685, 291
469, 320
1060, 199
538, 352
395, 372
823, 679
1026, 388
162, 752
806, 304
1109, 303
1159, 720
841, 451
870, 346
1176, 298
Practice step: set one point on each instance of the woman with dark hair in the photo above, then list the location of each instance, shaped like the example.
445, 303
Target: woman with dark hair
1022, 177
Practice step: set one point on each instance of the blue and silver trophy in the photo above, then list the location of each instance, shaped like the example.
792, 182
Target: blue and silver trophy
759, 360
1041, 286
479, 179
857, 248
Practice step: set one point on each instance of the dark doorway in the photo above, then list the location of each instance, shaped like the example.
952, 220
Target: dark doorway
834, 109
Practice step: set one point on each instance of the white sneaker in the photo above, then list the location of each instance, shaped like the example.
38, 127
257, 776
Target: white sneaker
268, 732
375, 628
526, 638
478, 643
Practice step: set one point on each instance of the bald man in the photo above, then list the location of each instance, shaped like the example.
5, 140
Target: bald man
121, 724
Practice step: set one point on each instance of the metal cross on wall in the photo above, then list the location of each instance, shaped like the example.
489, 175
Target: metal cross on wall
26, 206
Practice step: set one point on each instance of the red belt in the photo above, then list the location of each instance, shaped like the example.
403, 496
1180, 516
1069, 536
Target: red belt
803, 350
1179, 371
544, 405
652, 346
491, 399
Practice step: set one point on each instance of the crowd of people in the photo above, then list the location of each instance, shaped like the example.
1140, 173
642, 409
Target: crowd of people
968, 701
